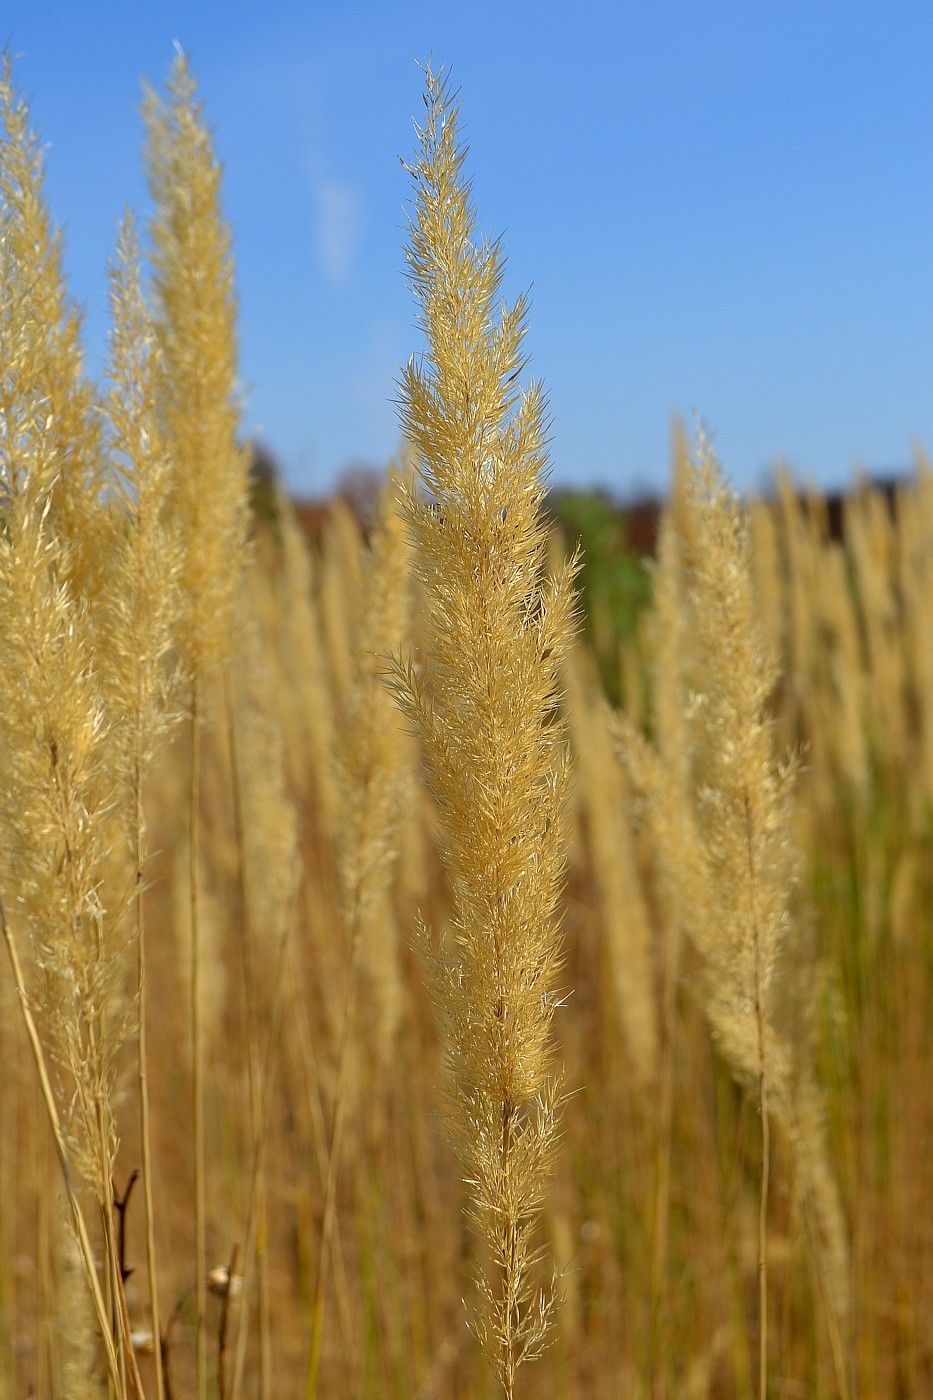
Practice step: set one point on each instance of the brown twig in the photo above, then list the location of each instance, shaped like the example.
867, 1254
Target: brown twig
165, 1342
121, 1205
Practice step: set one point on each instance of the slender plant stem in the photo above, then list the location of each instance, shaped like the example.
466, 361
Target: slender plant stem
763, 1109
125, 1331
7, 1208
112, 1274
507, 1353
334, 1149
662, 1193
48, 1097
48, 1360
252, 1058
197, 1049
259, 1146
143, 1085
114, 1392
116, 1294
763, 1235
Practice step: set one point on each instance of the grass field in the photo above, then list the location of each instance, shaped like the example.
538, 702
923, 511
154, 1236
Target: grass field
456, 958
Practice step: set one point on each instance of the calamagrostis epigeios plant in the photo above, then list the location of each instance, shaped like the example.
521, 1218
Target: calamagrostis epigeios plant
199, 403
139, 615
195, 318
485, 709
57, 793
727, 856
46, 394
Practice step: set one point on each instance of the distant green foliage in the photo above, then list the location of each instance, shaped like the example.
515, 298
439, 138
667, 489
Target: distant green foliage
615, 584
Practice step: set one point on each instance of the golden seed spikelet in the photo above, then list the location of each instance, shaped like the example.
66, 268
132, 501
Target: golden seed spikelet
55, 805
725, 846
49, 427
738, 785
143, 598
485, 709
196, 328
54, 730
734, 872
769, 580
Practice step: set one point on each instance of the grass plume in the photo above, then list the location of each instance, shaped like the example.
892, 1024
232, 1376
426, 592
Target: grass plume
726, 843
142, 607
196, 330
485, 709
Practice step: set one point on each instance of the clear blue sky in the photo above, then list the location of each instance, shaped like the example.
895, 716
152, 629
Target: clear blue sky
725, 207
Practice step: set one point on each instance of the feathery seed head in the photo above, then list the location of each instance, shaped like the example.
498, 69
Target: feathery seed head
198, 399
498, 630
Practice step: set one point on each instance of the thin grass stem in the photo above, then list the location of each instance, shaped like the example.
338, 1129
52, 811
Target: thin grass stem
142, 1079
197, 1047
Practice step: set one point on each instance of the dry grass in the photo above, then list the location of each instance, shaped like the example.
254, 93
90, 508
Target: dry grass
720, 947
484, 710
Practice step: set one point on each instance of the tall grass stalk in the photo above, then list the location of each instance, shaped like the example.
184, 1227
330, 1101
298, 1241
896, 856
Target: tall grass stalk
197, 1042
196, 316
140, 614
57, 734
725, 843
252, 1059
485, 709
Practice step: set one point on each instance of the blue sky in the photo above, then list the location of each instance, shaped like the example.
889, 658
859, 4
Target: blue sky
720, 207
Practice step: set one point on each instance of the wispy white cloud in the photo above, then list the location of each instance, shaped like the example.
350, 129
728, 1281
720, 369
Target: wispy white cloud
338, 211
